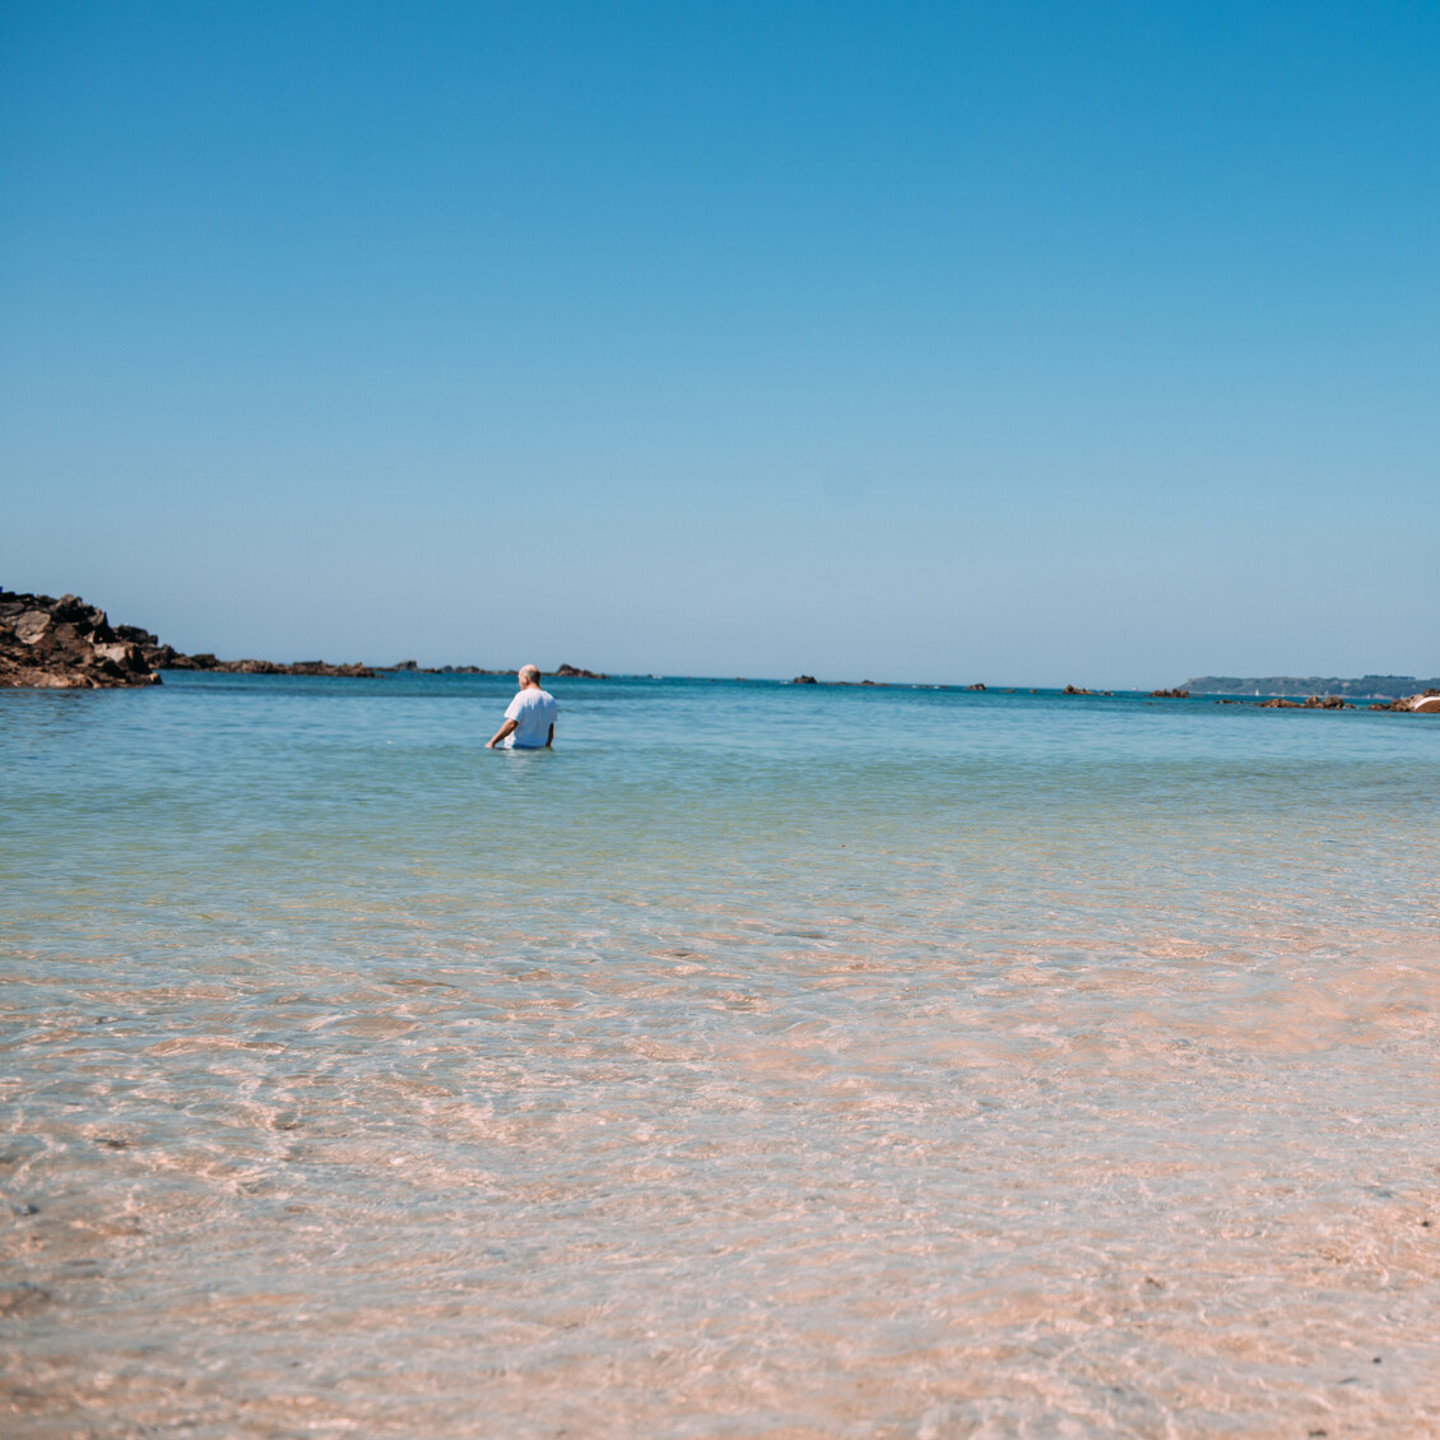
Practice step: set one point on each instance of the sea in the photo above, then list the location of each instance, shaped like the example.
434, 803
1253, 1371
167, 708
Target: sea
765, 1060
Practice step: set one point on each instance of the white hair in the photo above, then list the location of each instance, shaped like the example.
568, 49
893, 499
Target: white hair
529, 672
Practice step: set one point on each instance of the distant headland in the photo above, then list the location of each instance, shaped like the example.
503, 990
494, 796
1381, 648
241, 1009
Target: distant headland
1367, 687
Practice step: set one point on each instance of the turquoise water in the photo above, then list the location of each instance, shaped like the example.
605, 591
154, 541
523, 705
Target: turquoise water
764, 1060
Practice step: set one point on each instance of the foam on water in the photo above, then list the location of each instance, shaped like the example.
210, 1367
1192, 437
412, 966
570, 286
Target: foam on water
763, 1061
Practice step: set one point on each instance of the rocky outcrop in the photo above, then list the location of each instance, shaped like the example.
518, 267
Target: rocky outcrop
1179, 694
1427, 702
804, 680
1314, 702
66, 644
166, 657
413, 667
354, 671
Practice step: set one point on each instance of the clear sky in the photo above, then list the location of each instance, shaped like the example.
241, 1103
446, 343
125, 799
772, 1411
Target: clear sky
1017, 342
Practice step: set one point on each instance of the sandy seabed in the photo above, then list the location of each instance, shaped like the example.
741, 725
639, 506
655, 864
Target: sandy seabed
918, 1103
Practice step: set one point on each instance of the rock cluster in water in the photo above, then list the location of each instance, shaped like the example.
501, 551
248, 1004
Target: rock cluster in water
1427, 702
166, 657
66, 644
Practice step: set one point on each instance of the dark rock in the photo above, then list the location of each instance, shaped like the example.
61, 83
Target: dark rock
1170, 694
167, 657
65, 644
353, 671
572, 672
1071, 690
975, 687
804, 680
170, 659
1278, 702
1326, 702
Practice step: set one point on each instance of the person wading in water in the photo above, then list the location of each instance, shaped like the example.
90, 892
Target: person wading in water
529, 717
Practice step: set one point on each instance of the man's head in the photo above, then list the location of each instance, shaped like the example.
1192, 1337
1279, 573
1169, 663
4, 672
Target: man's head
529, 675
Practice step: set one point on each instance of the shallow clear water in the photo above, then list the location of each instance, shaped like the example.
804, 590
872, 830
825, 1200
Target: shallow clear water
763, 1061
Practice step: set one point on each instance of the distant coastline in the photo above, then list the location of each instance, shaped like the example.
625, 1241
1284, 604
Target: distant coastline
1367, 687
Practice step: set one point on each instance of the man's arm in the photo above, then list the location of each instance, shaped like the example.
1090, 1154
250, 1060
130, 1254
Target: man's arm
506, 729
550, 739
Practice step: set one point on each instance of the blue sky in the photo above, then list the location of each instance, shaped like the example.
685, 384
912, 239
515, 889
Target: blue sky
1018, 342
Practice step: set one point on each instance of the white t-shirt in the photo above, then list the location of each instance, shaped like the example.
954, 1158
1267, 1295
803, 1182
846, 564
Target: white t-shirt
533, 711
